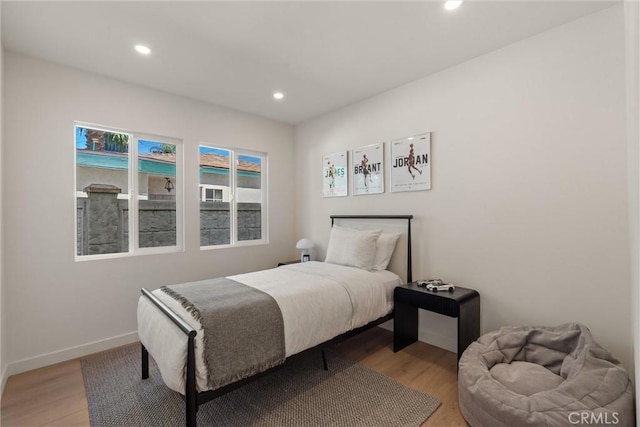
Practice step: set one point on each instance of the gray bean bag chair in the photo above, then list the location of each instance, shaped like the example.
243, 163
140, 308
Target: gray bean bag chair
532, 376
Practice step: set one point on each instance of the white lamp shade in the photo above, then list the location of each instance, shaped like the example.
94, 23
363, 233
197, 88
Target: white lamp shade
304, 244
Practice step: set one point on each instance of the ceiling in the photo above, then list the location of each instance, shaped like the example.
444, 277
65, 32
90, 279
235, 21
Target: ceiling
322, 55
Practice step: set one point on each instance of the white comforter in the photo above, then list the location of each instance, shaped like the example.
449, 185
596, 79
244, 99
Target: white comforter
318, 301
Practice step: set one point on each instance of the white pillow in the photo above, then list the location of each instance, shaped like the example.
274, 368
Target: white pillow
353, 248
384, 249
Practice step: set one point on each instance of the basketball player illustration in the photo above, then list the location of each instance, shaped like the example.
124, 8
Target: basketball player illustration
332, 175
365, 170
411, 162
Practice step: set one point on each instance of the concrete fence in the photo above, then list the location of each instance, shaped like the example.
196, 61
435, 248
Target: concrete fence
103, 222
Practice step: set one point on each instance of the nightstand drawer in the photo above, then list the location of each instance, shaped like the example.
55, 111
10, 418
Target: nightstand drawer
430, 301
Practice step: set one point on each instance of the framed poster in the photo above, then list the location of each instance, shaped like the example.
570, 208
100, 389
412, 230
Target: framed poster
411, 163
368, 169
334, 175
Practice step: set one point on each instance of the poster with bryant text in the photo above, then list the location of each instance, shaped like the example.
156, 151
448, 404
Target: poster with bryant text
334, 175
411, 163
368, 169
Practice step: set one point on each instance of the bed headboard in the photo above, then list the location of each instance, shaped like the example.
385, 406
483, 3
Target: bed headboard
389, 223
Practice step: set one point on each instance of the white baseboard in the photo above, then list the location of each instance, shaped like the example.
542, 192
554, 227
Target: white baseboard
24, 365
3, 379
67, 354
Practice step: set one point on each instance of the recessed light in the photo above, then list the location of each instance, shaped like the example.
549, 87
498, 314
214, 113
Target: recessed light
143, 49
452, 4
278, 95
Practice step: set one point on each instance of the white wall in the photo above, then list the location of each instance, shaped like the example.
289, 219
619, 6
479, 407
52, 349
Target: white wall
529, 187
60, 308
3, 347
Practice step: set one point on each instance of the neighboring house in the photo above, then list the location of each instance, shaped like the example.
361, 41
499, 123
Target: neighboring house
214, 179
157, 172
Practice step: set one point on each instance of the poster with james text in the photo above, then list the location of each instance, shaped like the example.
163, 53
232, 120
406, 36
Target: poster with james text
334, 175
411, 163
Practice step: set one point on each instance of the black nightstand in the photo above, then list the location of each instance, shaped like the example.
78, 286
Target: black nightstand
462, 303
288, 262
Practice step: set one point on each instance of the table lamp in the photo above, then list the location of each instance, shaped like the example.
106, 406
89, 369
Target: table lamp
304, 245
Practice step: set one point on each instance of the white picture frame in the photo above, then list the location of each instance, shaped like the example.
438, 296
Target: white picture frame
334, 175
411, 163
368, 169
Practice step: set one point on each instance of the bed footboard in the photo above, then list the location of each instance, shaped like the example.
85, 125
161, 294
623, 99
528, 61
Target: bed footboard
190, 392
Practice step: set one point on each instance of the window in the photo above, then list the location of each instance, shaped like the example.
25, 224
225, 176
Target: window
232, 197
110, 167
213, 193
249, 197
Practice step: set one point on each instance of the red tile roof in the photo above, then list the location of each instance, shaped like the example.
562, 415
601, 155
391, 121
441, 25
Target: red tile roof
207, 160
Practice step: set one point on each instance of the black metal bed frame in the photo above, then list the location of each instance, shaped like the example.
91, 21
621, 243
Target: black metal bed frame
193, 398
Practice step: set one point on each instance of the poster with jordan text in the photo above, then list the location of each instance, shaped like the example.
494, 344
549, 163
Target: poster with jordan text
368, 169
411, 163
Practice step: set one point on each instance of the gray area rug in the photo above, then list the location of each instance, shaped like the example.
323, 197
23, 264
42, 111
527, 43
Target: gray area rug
299, 394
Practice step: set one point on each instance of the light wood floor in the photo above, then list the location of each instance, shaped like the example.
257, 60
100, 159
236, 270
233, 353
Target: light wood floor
55, 395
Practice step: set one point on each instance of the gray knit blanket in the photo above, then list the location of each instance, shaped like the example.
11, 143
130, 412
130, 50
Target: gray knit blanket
243, 328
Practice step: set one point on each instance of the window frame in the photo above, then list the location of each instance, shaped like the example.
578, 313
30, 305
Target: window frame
234, 154
205, 187
133, 184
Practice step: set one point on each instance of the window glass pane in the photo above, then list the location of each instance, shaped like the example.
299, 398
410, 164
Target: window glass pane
157, 187
249, 197
102, 191
211, 194
215, 196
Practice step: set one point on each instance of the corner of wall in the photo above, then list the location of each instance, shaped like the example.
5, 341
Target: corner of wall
632, 56
3, 363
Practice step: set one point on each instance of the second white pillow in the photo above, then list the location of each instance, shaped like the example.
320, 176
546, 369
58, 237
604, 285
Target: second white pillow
385, 246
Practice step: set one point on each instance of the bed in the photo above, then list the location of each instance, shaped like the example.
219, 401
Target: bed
210, 337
